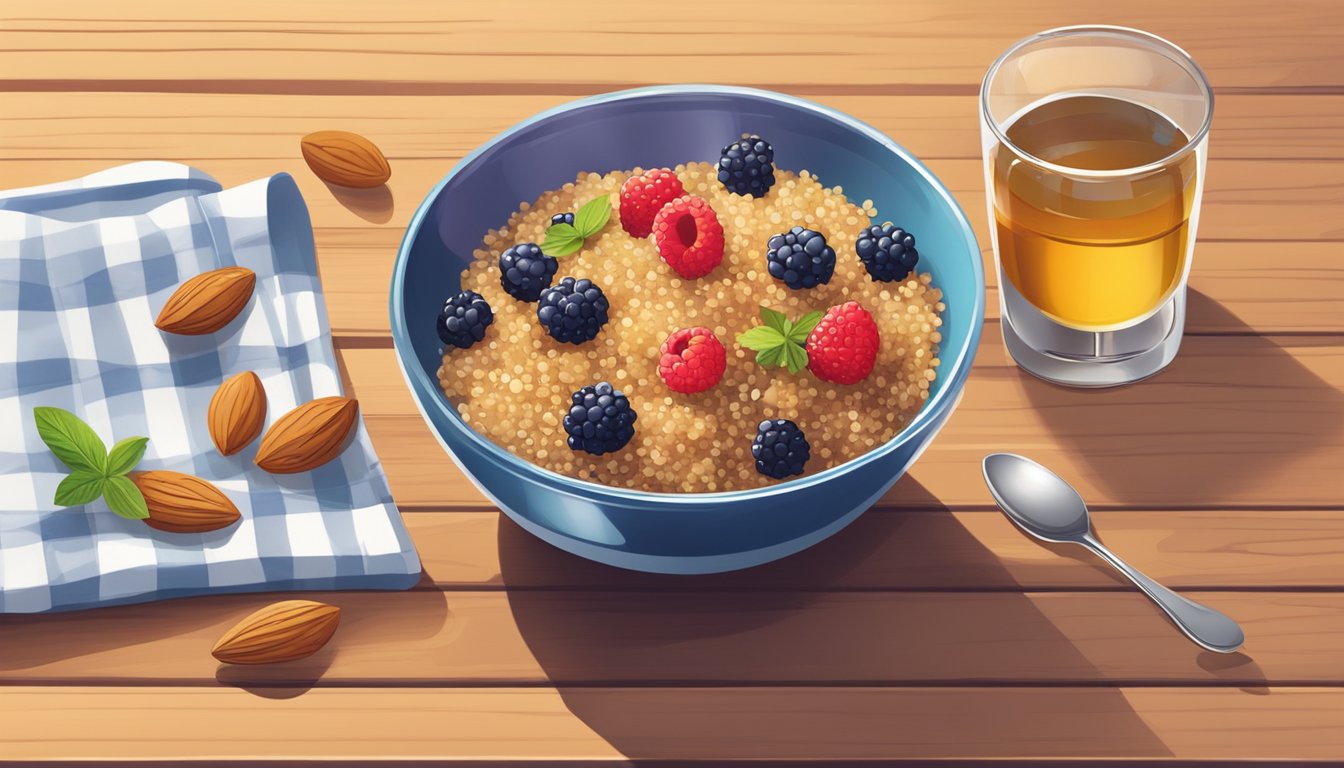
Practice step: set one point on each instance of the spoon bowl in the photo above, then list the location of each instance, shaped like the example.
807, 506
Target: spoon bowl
1058, 513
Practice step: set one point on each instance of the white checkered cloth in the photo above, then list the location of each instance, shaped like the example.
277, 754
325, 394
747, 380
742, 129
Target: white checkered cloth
85, 267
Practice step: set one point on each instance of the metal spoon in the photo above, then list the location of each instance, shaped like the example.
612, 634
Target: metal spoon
1046, 507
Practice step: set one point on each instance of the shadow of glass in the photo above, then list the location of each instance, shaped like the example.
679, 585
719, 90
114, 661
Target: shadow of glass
821, 655
1150, 442
372, 205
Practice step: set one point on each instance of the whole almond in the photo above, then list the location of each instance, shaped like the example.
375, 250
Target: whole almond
308, 436
345, 158
181, 503
207, 302
284, 631
237, 413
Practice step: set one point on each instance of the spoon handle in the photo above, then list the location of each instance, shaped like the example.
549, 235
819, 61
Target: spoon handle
1208, 628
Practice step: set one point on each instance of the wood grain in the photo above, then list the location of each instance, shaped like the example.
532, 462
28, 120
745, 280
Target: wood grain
936, 550
206, 126
696, 636
1240, 421
521, 46
889, 725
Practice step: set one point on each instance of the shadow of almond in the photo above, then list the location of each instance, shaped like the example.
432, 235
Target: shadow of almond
374, 205
287, 680
837, 652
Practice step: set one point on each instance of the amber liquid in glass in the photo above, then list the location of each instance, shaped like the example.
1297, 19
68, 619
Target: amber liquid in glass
1095, 254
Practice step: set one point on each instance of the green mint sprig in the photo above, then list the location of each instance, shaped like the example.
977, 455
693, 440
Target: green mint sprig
94, 470
780, 342
563, 239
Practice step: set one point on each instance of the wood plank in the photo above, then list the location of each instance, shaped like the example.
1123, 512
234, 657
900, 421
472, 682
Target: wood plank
1261, 200
208, 126
1234, 422
696, 636
350, 48
937, 550
893, 726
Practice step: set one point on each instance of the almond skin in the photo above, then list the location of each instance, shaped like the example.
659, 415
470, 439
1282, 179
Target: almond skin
346, 159
207, 302
237, 413
308, 436
284, 631
181, 503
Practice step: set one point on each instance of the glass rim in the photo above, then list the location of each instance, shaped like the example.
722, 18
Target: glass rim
1180, 56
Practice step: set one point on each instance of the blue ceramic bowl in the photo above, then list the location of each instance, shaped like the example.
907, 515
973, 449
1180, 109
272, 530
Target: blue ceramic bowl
664, 126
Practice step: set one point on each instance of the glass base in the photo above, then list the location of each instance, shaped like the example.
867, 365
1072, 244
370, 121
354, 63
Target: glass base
1064, 355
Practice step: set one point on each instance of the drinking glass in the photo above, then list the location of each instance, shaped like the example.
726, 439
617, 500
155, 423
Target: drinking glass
1095, 140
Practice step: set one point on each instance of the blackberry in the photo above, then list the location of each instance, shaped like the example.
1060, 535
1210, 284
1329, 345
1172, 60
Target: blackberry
600, 419
525, 271
887, 252
747, 166
800, 257
563, 218
573, 311
780, 448
464, 319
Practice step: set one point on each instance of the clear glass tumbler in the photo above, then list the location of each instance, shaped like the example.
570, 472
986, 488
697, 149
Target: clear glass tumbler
1095, 140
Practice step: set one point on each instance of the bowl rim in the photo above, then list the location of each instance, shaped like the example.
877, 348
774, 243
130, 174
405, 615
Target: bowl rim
420, 384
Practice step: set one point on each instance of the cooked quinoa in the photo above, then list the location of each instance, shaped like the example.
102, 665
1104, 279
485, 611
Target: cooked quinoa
515, 386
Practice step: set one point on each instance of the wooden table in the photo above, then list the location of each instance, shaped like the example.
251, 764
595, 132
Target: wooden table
928, 630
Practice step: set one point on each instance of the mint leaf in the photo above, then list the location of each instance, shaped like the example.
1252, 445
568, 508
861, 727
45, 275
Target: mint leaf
593, 216
776, 320
124, 498
79, 487
73, 441
773, 356
803, 328
561, 240
795, 357
761, 338
125, 455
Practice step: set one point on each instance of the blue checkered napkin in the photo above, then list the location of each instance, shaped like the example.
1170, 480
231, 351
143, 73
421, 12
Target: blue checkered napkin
85, 267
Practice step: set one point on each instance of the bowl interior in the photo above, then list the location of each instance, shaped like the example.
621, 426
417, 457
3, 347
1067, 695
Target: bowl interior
663, 127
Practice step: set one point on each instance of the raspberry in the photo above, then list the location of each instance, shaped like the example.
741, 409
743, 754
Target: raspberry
843, 346
689, 236
643, 196
692, 360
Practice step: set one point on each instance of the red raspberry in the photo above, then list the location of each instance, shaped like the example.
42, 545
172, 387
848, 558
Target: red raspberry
644, 195
843, 346
692, 360
689, 236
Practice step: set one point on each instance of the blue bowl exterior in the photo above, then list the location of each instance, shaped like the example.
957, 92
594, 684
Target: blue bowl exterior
650, 127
